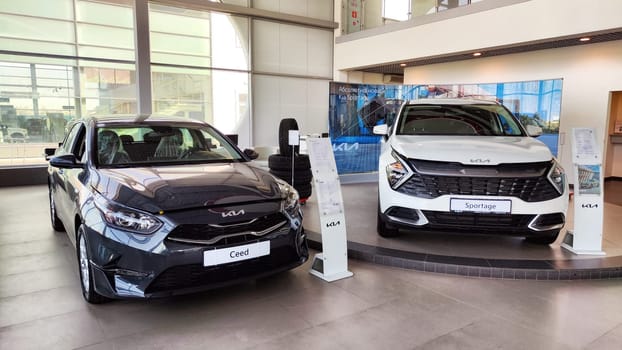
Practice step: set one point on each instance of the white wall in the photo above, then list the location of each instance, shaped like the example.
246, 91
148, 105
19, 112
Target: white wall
275, 98
520, 22
320, 9
589, 72
289, 49
292, 66
372, 12
364, 78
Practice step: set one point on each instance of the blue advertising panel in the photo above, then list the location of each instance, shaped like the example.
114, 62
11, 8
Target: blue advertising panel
354, 109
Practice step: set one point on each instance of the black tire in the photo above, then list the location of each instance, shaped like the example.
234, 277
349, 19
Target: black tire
384, 229
304, 190
285, 126
300, 176
544, 238
280, 162
57, 225
86, 270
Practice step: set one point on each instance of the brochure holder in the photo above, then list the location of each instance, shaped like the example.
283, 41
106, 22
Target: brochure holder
587, 236
332, 263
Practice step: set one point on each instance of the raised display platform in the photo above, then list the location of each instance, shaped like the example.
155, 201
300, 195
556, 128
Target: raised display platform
484, 256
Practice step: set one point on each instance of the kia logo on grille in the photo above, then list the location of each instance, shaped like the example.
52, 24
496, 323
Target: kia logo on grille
232, 213
479, 160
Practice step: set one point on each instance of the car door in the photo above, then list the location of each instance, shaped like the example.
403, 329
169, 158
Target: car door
76, 178
62, 188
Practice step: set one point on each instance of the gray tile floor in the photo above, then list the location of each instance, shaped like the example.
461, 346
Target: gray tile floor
360, 204
379, 308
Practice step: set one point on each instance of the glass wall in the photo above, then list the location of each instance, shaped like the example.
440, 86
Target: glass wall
73, 58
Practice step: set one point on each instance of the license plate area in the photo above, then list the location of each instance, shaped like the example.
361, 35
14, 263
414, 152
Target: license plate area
491, 206
236, 253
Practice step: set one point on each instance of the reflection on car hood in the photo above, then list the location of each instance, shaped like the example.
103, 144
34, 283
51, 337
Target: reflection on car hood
184, 187
481, 150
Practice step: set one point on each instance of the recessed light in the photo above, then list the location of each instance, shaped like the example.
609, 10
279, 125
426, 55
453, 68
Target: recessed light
477, 54
402, 64
584, 39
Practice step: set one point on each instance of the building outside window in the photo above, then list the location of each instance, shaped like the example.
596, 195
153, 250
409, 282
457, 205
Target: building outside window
69, 59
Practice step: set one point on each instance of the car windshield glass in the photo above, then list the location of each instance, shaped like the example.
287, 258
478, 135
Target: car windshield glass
145, 145
471, 119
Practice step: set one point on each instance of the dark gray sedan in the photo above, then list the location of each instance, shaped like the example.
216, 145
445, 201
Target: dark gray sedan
168, 206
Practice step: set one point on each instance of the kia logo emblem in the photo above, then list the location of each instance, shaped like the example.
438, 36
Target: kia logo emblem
226, 214
479, 160
333, 224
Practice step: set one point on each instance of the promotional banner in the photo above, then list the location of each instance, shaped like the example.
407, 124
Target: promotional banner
354, 109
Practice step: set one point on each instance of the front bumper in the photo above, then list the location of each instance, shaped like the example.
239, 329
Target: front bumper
123, 269
525, 218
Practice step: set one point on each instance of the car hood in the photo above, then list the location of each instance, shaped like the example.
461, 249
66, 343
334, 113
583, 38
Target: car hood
167, 188
479, 150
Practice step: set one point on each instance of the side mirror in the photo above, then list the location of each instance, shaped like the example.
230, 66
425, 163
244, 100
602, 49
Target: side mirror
66, 161
49, 153
381, 129
251, 153
534, 130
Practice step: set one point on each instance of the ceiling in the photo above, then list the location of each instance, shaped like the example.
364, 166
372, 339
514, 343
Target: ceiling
397, 69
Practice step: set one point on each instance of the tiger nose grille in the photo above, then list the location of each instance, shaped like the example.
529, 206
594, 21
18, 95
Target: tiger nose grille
529, 189
240, 232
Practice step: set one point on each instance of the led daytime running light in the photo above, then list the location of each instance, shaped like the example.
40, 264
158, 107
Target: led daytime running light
397, 172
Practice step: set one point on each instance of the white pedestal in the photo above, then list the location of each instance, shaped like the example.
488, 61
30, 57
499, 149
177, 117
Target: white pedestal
317, 270
587, 237
569, 242
332, 263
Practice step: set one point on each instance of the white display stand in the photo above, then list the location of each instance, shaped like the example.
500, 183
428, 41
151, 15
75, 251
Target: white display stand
332, 263
587, 236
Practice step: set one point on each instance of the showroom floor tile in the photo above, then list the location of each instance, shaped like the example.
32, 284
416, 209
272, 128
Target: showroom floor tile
360, 204
380, 307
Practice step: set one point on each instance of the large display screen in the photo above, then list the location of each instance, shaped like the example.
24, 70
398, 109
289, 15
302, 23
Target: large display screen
354, 109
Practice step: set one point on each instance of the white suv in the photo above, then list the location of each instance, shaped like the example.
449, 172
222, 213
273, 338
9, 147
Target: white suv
463, 165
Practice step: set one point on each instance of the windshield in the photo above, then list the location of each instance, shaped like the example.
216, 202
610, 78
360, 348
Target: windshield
481, 120
145, 145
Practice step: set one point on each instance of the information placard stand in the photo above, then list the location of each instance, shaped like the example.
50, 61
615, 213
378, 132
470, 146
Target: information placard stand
332, 263
587, 237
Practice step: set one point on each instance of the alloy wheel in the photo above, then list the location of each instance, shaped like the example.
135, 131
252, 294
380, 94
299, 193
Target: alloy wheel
84, 265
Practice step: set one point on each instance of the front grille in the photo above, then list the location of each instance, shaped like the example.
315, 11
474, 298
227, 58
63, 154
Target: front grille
196, 275
232, 233
479, 221
457, 179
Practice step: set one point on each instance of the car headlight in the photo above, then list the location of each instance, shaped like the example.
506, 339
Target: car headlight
397, 172
125, 218
289, 195
557, 177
